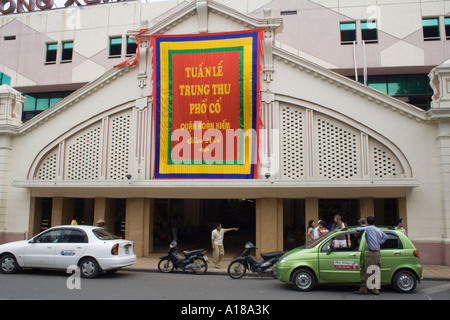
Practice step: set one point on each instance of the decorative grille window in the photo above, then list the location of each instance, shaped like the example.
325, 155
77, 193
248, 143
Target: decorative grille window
292, 143
337, 151
83, 156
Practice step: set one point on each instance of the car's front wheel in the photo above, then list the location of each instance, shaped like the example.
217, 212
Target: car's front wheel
8, 264
89, 268
303, 280
404, 281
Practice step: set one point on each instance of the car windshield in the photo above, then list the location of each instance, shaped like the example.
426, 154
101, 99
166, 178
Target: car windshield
316, 241
104, 234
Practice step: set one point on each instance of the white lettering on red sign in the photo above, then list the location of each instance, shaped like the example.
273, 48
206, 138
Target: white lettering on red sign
21, 6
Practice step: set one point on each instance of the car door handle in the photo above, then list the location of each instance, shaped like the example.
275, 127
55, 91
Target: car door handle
352, 255
397, 252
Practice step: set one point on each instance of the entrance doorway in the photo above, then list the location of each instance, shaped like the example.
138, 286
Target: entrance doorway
80, 210
293, 223
191, 221
46, 214
348, 209
386, 211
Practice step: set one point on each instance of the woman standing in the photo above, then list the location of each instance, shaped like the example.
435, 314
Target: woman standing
311, 225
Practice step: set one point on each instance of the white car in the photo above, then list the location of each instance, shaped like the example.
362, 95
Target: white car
92, 249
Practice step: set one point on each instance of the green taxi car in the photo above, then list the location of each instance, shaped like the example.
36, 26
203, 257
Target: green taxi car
323, 261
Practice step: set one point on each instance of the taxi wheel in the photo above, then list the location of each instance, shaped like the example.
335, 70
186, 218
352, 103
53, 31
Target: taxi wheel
404, 281
303, 280
89, 268
8, 264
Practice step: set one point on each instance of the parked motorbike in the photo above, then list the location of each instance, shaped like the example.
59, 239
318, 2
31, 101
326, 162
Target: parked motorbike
195, 260
239, 266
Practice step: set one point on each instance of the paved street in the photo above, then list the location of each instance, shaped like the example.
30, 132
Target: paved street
49, 285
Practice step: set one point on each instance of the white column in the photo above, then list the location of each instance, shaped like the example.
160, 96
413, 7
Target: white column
11, 102
440, 112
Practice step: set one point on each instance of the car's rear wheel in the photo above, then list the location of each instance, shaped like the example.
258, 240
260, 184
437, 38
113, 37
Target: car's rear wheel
89, 268
8, 264
303, 280
404, 281
200, 266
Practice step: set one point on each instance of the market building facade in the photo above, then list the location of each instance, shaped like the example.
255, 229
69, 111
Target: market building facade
324, 144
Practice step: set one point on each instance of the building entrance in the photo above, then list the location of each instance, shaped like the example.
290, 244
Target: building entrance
190, 222
348, 209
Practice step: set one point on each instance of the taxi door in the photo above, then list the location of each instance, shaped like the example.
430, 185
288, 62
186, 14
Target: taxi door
40, 251
392, 254
340, 261
70, 248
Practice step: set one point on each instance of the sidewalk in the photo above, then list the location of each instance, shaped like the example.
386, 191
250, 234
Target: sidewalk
150, 263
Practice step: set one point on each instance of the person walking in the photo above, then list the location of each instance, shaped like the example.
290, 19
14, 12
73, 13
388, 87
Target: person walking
374, 238
217, 236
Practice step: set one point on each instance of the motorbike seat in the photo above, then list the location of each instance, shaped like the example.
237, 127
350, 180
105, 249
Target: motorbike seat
186, 253
270, 255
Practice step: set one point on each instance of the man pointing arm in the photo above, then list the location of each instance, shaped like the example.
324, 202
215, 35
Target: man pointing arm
217, 243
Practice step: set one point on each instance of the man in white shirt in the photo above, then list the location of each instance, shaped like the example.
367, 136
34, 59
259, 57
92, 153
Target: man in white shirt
217, 243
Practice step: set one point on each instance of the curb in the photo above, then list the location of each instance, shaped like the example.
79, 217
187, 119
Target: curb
252, 274
208, 272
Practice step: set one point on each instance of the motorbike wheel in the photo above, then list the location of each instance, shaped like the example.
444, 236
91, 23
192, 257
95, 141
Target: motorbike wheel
165, 266
236, 270
200, 266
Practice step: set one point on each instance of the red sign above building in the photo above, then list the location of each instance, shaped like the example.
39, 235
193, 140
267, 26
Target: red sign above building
206, 90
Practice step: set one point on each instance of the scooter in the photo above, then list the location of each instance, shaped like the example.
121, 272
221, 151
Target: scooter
195, 260
239, 266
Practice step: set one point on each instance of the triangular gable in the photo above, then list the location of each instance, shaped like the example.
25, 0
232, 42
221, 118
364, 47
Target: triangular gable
142, 62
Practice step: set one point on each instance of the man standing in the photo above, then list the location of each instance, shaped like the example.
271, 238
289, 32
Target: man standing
374, 238
217, 243
400, 226
339, 241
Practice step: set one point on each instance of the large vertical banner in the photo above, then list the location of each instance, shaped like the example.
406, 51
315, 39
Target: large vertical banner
206, 94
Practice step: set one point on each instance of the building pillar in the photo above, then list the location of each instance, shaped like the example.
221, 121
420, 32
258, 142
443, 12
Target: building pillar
11, 102
139, 225
104, 209
62, 211
269, 225
366, 207
311, 213
440, 113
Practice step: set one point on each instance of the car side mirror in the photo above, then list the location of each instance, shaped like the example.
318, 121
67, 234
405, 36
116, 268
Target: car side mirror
32, 240
328, 250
